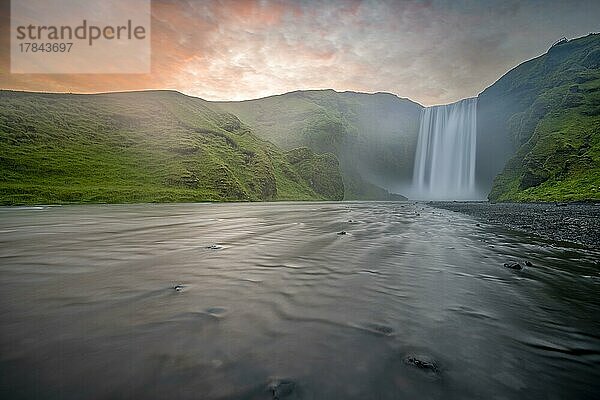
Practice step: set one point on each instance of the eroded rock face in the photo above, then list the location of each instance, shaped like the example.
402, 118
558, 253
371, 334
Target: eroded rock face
532, 178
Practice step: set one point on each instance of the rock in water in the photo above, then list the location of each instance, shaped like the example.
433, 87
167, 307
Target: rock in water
513, 265
528, 264
178, 288
214, 247
342, 233
282, 388
424, 363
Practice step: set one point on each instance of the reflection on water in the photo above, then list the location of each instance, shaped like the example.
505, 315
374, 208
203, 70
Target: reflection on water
263, 301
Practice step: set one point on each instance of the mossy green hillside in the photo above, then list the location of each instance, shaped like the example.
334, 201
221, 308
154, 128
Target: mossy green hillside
315, 169
374, 136
561, 162
556, 128
151, 146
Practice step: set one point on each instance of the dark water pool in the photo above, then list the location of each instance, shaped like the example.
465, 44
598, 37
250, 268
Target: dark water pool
413, 302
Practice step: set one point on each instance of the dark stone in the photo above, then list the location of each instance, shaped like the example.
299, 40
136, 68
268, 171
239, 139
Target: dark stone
342, 233
528, 264
513, 265
424, 363
178, 288
214, 247
531, 178
281, 388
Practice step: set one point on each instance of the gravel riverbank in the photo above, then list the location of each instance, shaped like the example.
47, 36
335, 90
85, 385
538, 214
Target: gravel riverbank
573, 222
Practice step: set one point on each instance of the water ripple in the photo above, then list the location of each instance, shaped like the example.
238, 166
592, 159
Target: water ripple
413, 302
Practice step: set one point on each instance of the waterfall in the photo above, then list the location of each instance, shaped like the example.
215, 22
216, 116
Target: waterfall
445, 160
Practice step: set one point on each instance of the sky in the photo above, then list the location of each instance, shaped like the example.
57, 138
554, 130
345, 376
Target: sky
433, 52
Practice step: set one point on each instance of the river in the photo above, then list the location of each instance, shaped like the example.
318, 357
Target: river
269, 300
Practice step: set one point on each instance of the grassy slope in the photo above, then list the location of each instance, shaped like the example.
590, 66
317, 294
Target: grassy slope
372, 133
150, 146
315, 170
557, 133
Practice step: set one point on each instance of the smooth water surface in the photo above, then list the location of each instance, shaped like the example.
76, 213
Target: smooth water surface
284, 307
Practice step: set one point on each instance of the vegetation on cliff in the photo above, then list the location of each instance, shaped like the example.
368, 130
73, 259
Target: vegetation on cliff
316, 170
154, 146
555, 126
374, 136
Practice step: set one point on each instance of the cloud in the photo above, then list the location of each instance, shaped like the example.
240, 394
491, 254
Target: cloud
430, 51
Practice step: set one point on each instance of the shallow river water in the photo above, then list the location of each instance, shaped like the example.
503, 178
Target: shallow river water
134, 301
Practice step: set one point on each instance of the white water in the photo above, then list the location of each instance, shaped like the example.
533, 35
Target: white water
445, 159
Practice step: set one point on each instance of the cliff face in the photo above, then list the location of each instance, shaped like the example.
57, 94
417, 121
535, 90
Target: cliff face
495, 106
321, 171
539, 127
374, 136
153, 146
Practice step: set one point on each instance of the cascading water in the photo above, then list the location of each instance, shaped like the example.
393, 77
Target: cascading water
445, 160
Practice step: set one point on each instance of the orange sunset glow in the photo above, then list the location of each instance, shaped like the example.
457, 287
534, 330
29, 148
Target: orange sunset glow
432, 52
